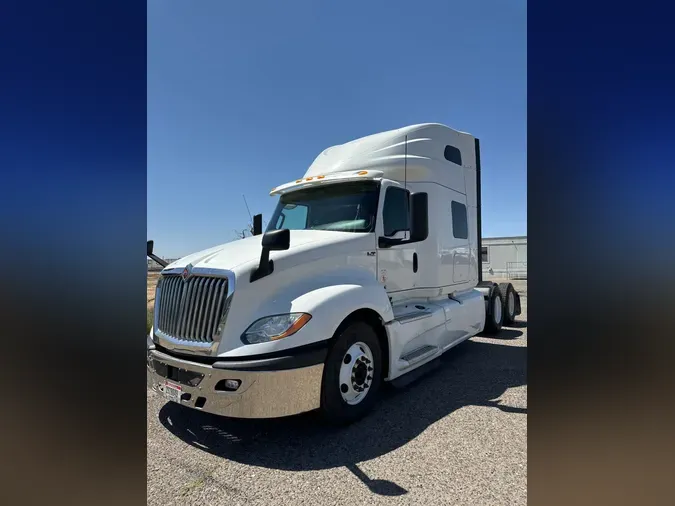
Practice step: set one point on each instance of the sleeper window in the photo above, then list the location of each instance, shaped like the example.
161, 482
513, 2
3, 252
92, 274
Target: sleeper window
460, 228
452, 154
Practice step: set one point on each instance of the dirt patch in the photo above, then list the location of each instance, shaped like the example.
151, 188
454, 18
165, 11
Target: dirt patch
153, 277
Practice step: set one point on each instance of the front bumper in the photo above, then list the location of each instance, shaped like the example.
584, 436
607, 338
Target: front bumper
268, 388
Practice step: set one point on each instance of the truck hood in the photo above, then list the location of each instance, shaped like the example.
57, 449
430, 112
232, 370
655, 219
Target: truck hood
236, 254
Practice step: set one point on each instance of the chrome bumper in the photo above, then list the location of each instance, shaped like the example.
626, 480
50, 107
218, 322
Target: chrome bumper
262, 394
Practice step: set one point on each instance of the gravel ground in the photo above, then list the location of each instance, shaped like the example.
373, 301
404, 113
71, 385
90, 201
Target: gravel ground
456, 436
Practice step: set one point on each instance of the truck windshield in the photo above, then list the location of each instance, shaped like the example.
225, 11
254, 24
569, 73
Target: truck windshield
344, 207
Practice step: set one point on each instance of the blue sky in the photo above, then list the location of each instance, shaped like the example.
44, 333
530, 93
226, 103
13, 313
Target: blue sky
242, 96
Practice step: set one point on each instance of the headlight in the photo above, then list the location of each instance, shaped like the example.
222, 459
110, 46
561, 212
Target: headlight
275, 327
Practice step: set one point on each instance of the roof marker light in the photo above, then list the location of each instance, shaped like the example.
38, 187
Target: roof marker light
320, 177
362, 173
309, 179
298, 181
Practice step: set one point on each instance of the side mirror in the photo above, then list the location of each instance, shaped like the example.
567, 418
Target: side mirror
277, 240
419, 222
387, 242
257, 224
151, 245
419, 217
274, 240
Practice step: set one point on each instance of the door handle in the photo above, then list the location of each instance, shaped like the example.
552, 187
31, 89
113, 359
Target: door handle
415, 262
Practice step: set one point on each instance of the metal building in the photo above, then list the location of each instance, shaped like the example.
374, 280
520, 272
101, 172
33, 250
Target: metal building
504, 257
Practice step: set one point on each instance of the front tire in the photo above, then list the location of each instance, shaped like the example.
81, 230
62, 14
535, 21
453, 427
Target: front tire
352, 374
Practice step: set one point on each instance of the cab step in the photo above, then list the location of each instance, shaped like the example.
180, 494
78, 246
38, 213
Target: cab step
411, 316
418, 354
415, 374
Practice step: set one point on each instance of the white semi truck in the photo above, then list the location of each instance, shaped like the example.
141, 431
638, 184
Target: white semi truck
369, 270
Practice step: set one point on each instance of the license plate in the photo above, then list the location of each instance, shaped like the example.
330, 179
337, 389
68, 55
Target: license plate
172, 392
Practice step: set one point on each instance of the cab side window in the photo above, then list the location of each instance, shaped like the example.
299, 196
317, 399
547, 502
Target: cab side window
395, 215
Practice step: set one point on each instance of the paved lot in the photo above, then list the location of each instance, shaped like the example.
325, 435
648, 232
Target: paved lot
456, 436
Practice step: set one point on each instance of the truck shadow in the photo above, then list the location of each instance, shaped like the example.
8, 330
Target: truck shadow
508, 334
472, 374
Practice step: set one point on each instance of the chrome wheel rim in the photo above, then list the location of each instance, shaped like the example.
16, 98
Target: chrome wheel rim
356, 373
497, 309
512, 304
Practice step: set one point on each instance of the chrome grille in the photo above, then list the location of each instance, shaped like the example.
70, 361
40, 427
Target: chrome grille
191, 310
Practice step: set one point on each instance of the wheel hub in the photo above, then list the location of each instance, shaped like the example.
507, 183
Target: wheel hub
356, 373
360, 372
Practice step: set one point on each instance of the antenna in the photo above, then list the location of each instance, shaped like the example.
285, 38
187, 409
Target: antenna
405, 177
405, 165
246, 204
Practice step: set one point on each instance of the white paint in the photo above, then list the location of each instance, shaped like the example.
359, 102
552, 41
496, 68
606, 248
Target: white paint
451, 322
332, 274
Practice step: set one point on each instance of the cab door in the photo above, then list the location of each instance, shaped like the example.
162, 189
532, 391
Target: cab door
396, 264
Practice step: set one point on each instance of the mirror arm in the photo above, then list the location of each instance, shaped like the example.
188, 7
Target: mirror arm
161, 262
275, 240
265, 268
386, 242
150, 247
